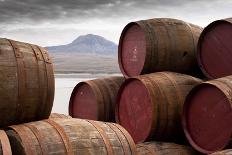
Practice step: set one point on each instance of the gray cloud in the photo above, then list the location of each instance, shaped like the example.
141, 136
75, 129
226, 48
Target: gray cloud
21, 19
43, 10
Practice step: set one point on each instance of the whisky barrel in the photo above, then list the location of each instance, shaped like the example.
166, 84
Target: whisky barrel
95, 99
149, 106
159, 148
56, 115
224, 152
207, 115
71, 137
5, 148
160, 44
215, 49
26, 82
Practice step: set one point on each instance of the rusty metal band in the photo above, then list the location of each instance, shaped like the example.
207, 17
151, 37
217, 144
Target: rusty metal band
152, 151
39, 137
219, 84
128, 138
191, 30
99, 97
106, 98
39, 58
122, 141
175, 85
21, 79
50, 81
63, 135
158, 107
29, 148
5, 143
104, 137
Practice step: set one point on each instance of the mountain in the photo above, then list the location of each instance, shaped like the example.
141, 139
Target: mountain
86, 54
88, 44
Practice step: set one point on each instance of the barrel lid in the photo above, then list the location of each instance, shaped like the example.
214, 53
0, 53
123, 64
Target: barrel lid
132, 50
215, 49
207, 118
83, 102
134, 109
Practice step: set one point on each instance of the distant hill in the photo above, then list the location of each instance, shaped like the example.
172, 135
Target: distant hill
87, 44
86, 54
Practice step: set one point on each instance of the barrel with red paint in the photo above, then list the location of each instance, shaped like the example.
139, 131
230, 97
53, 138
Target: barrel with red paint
160, 44
207, 117
215, 49
95, 99
149, 106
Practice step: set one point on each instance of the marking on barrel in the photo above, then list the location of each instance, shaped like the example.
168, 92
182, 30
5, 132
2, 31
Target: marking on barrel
5, 143
39, 137
26, 140
64, 137
128, 138
104, 137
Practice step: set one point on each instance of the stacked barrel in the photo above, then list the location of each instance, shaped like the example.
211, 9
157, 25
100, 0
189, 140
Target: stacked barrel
162, 97
26, 100
159, 106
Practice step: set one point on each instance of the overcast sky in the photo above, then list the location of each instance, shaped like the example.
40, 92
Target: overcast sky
54, 22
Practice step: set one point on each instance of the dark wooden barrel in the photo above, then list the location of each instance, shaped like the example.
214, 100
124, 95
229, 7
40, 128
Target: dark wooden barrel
95, 99
207, 117
56, 115
150, 106
224, 152
159, 148
5, 148
159, 44
71, 137
26, 82
215, 49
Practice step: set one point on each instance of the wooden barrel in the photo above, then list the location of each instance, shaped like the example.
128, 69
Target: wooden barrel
95, 99
224, 152
159, 148
159, 44
207, 115
26, 82
150, 106
56, 115
5, 148
215, 49
71, 137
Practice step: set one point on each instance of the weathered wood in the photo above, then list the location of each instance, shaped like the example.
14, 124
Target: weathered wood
160, 44
70, 136
95, 99
5, 148
159, 148
150, 106
26, 82
56, 115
